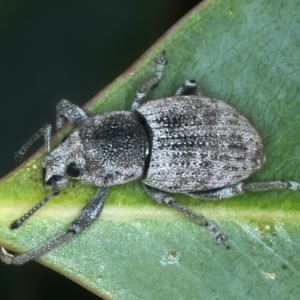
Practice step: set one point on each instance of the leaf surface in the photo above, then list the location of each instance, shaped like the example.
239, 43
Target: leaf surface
247, 54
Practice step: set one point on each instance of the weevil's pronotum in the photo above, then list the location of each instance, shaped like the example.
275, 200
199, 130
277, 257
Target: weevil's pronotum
187, 143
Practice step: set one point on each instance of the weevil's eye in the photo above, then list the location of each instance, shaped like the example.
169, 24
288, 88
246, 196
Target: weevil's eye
72, 170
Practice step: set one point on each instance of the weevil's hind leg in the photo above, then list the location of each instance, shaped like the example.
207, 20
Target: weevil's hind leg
241, 188
272, 185
190, 87
140, 96
88, 215
67, 110
219, 193
168, 201
45, 131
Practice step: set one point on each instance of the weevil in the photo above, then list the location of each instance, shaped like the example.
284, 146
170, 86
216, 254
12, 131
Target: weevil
187, 143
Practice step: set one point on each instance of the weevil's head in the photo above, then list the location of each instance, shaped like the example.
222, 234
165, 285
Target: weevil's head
64, 163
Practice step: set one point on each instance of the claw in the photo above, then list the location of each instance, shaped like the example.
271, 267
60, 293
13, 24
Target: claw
18, 157
222, 240
6, 257
220, 237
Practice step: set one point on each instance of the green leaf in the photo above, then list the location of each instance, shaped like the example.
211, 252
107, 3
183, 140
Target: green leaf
247, 54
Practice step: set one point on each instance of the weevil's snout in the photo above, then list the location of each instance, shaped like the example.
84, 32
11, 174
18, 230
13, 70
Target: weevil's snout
54, 172
54, 175
59, 181
64, 163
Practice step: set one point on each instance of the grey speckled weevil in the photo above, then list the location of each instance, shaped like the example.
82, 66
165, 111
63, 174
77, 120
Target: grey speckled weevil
187, 143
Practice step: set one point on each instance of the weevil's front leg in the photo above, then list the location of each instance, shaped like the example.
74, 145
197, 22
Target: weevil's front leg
67, 110
169, 201
190, 87
45, 131
87, 217
140, 96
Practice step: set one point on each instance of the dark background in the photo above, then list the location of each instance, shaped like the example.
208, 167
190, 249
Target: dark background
70, 49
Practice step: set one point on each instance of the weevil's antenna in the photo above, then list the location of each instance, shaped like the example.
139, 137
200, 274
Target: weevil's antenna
44, 131
55, 192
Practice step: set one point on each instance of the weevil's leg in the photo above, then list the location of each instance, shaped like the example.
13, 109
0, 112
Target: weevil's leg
67, 110
190, 87
88, 215
240, 188
168, 201
44, 131
140, 96
272, 185
219, 193
55, 191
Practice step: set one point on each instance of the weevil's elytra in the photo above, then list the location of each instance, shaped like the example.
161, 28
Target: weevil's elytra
199, 144
187, 143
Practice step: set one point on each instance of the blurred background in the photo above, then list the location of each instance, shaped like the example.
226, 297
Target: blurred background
70, 49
